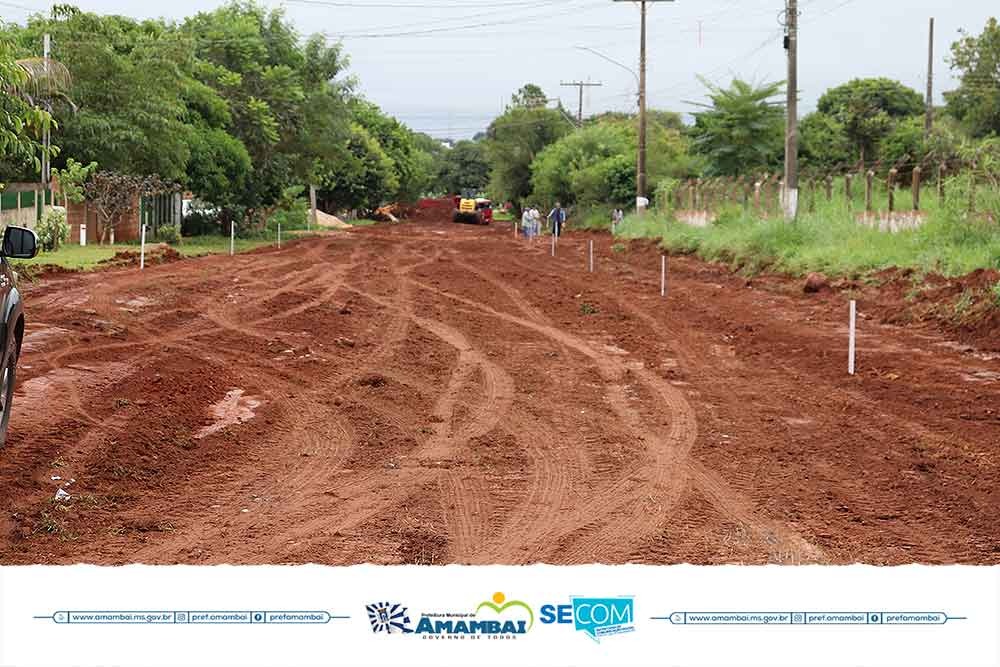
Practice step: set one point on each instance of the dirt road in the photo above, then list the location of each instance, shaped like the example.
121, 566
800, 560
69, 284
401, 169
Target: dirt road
429, 393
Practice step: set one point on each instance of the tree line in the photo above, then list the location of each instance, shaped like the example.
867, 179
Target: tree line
233, 105
237, 107
537, 155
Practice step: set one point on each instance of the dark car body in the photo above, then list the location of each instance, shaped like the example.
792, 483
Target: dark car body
18, 243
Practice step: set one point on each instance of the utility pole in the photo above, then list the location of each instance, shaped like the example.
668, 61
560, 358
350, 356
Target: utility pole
640, 177
46, 135
929, 123
791, 195
581, 85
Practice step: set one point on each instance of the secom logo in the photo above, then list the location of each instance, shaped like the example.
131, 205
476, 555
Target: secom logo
597, 617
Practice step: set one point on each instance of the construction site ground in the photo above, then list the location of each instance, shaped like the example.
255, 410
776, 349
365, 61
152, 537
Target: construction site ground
433, 393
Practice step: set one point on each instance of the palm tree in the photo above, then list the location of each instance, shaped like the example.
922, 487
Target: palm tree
47, 82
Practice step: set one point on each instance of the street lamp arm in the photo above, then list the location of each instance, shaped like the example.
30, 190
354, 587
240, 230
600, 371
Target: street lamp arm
610, 60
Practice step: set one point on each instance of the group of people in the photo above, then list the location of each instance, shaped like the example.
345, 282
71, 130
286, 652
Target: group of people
531, 221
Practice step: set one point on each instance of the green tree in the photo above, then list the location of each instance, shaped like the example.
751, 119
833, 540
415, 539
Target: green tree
514, 140
21, 123
464, 168
596, 165
823, 142
742, 129
412, 170
529, 96
976, 102
869, 109
128, 80
73, 179
362, 179
285, 104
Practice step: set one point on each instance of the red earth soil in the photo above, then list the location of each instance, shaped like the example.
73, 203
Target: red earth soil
433, 393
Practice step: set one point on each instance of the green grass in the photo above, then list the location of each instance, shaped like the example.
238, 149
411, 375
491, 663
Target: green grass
85, 258
828, 239
592, 218
362, 223
502, 216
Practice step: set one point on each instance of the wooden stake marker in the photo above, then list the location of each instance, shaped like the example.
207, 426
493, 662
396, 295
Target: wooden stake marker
852, 345
663, 275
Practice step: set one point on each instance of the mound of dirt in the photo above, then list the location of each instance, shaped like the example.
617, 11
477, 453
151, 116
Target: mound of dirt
965, 306
159, 254
815, 282
330, 221
433, 210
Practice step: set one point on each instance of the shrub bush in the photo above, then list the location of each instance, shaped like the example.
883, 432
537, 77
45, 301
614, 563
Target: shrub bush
295, 216
202, 220
52, 230
169, 234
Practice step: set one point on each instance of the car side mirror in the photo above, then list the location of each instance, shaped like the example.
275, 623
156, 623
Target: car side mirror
19, 243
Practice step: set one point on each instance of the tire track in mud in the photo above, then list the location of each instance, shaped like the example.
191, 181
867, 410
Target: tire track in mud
667, 453
316, 430
553, 475
731, 504
514, 484
468, 493
359, 487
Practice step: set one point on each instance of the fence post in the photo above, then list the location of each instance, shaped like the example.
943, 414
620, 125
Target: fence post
747, 189
812, 195
756, 196
940, 183
972, 189
891, 184
829, 187
691, 194
916, 188
847, 188
697, 193
311, 220
869, 184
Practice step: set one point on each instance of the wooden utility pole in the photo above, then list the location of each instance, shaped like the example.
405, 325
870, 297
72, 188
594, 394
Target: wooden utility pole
791, 199
640, 179
47, 132
929, 122
581, 85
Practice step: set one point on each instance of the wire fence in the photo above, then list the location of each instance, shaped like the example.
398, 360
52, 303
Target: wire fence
876, 187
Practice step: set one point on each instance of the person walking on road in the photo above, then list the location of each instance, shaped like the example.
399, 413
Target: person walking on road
536, 220
526, 223
558, 218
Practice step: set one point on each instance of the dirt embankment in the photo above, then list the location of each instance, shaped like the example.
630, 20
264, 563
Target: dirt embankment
435, 393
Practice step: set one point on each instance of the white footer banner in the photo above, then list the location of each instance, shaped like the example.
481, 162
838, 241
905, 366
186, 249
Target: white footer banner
137, 616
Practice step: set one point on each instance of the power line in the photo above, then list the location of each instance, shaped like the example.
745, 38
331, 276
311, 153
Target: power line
581, 85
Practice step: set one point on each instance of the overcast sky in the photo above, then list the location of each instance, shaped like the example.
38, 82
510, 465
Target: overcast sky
447, 66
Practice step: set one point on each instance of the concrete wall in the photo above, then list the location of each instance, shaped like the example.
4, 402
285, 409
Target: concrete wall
25, 194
